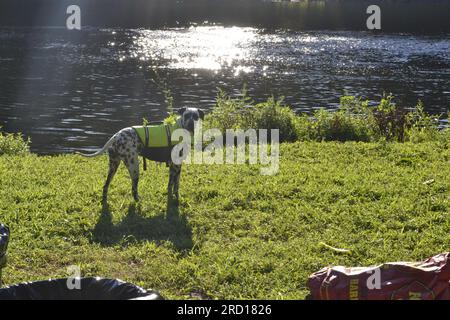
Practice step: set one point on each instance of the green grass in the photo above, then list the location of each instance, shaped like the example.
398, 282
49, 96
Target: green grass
235, 234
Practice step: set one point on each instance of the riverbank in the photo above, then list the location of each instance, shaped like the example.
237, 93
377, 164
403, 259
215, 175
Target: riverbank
235, 234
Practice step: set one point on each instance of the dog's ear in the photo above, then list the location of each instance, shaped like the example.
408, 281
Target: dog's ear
181, 111
201, 114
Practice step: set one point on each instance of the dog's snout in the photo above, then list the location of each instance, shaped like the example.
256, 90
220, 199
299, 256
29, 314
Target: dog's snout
190, 124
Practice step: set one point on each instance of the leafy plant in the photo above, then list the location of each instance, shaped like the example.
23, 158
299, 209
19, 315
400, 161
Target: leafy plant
389, 121
421, 125
14, 144
242, 113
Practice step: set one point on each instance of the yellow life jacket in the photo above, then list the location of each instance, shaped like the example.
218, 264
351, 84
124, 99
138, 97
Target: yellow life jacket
157, 135
157, 141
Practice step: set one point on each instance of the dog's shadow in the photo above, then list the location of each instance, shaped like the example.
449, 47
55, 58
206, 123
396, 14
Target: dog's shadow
166, 226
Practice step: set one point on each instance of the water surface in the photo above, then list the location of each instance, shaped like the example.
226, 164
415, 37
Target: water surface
72, 90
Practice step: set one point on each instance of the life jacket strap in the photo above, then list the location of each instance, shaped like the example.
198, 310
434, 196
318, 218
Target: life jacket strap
146, 144
169, 140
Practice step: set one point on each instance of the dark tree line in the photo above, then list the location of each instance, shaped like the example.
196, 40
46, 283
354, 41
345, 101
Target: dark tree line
397, 15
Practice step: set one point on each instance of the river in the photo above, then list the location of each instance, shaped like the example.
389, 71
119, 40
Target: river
71, 90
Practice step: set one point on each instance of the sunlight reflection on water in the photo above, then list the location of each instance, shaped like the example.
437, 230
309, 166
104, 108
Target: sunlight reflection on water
209, 48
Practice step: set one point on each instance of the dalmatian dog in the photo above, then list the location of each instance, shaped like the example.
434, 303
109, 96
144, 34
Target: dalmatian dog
126, 146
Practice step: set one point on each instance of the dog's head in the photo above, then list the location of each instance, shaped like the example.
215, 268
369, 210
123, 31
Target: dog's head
189, 116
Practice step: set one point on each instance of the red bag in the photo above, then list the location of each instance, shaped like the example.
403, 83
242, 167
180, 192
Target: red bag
425, 280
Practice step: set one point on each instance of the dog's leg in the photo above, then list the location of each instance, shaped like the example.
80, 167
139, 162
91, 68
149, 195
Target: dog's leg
176, 184
174, 180
114, 162
127, 148
132, 163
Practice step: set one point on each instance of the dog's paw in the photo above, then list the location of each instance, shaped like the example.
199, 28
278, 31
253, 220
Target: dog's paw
172, 199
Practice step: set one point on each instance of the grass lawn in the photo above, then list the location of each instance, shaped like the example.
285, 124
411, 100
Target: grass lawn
235, 234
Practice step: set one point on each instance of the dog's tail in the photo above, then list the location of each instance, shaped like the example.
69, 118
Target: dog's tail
99, 152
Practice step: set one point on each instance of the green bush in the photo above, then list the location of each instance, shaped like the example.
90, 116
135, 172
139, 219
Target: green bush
444, 137
242, 113
387, 121
348, 123
354, 120
422, 126
273, 115
13, 144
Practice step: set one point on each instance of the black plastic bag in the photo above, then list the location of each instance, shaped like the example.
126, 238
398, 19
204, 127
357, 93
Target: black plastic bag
4, 239
90, 289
